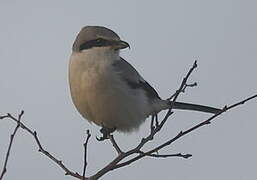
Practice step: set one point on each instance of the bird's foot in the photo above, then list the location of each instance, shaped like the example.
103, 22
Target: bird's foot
106, 133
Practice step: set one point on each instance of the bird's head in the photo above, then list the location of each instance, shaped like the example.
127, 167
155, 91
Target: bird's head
98, 37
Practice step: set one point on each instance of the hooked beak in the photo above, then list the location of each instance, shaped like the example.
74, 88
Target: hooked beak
120, 45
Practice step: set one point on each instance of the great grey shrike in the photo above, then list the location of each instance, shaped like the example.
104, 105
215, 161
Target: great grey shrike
107, 90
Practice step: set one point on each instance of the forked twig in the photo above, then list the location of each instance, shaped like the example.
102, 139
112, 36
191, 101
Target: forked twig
41, 149
10, 143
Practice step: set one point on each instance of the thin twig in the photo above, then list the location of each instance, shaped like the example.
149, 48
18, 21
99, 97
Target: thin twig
183, 84
186, 156
85, 154
188, 85
158, 126
156, 120
177, 93
10, 143
151, 124
115, 145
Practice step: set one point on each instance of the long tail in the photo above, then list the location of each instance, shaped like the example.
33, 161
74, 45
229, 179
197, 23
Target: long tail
195, 107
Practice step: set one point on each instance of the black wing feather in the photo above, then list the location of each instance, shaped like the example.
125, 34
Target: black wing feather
133, 78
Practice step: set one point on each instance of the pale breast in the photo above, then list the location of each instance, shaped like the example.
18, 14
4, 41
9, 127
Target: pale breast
102, 97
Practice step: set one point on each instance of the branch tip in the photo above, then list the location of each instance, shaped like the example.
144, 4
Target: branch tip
195, 64
21, 114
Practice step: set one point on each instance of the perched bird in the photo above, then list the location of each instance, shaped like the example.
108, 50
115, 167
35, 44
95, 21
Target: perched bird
107, 90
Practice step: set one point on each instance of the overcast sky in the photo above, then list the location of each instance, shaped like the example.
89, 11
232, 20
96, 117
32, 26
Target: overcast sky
165, 38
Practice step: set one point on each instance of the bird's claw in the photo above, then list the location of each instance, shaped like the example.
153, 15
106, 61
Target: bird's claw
106, 133
101, 138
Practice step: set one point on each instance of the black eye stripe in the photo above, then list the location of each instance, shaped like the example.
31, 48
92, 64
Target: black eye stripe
95, 43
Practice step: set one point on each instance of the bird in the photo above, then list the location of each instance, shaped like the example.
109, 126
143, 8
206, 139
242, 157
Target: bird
107, 90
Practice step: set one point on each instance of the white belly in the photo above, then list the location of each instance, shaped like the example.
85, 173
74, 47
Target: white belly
102, 97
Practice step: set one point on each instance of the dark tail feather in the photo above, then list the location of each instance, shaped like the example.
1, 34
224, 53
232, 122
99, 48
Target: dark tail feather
195, 107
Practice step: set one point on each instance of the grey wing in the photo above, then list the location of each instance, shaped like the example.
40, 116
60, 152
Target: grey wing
133, 78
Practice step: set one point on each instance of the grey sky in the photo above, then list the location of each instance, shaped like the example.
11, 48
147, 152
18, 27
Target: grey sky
165, 38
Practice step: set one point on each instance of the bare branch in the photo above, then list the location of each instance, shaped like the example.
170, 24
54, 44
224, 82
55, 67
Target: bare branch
186, 156
158, 126
115, 145
119, 161
85, 154
188, 85
10, 143
41, 149
183, 85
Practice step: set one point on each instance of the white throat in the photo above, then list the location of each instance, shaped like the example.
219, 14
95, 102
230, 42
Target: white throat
100, 55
